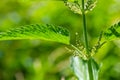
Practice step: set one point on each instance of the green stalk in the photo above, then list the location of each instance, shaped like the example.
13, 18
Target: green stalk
85, 28
86, 42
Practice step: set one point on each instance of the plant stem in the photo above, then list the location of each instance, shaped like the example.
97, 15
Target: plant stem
85, 32
86, 42
90, 69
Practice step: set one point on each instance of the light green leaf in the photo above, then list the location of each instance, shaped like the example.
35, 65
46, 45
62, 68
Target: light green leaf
76, 5
112, 33
73, 6
37, 31
89, 5
80, 68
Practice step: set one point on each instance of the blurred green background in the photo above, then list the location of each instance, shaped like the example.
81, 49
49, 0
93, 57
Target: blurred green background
43, 60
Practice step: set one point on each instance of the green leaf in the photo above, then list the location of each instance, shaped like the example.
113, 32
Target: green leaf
80, 68
37, 31
89, 5
76, 5
112, 33
73, 6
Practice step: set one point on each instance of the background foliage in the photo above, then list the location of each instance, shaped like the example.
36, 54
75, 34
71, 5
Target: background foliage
42, 60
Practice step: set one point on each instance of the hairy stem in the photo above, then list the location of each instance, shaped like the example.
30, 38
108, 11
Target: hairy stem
86, 42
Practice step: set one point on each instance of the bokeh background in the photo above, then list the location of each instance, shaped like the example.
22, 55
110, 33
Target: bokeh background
44, 60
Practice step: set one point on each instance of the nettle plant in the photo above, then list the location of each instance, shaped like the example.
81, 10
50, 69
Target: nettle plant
82, 62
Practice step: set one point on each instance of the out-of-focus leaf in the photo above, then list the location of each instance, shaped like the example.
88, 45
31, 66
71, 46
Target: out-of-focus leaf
90, 4
113, 32
36, 31
76, 5
72, 4
95, 69
80, 68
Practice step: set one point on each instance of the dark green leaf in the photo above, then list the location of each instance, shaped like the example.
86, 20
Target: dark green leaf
113, 32
36, 31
